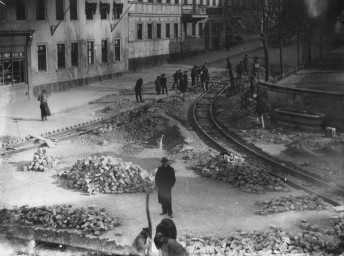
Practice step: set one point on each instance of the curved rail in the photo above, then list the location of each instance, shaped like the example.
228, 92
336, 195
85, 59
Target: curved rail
216, 132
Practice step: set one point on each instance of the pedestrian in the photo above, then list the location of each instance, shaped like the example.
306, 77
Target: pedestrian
163, 83
205, 79
184, 84
252, 85
193, 75
198, 74
175, 79
245, 63
260, 109
43, 99
157, 85
138, 90
180, 78
164, 180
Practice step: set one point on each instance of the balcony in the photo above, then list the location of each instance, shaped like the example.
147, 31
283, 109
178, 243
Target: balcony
193, 13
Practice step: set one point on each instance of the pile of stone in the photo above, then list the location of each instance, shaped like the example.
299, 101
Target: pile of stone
274, 241
291, 203
339, 226
233, 169
108, 175
90, 220
41, 161
119, 105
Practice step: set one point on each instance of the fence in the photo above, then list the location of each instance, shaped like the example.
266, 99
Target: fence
287, 74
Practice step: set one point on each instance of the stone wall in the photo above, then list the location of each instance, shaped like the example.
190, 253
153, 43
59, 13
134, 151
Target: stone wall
331, 104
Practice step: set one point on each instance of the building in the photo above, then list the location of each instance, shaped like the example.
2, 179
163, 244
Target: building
165, 30
60, 44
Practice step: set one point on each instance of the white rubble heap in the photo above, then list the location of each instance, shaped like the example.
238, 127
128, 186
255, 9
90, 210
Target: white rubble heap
41, 161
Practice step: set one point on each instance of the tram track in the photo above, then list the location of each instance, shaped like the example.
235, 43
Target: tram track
224, 140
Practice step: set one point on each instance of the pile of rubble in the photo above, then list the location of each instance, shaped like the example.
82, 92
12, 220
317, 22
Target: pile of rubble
291, 203
339, 226
119, 105
108, 175
104, 128
41, 161
89, 220
274, 241
272, 136
234, 170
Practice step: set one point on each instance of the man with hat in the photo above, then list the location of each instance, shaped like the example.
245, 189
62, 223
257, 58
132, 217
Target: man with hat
164, 180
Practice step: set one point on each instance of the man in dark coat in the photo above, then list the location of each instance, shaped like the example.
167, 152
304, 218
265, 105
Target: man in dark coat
163, 84
165, 179
138, 90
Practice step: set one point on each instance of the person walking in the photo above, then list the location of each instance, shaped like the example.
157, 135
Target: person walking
138, 90
175, 79
205, 79
184, 84
43, 99
157, 85
193, 75
164, 180
163, 84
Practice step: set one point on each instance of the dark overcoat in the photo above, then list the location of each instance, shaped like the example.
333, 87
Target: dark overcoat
165, 179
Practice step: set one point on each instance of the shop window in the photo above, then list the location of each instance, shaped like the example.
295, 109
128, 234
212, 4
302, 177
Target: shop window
59, 9
75, 54
117, 49
40, 9
90, 52
90, 10
42, 58
176, 30
20, 9
158, 31
3, 12
193, 29
61, 57
150, 31
12, 67
73, 9
139, 31
117, 11
104, 9
104, 51
168, 30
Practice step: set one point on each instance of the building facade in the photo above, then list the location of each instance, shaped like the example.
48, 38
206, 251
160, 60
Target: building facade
61, 44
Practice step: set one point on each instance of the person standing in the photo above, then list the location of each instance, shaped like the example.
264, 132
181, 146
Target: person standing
138, 90
157, 85
164, 180
205, 79
43, 99
175, 80
184, 84
163, 84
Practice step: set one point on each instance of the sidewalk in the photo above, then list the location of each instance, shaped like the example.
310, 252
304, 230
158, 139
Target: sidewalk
21, 119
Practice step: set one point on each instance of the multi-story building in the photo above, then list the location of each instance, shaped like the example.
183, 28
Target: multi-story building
165, 30
61, 44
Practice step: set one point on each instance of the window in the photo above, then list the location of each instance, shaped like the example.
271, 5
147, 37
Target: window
214, 2
200, 29
149, 31
61, 51
2, 12
168, 1
176, 30
139, 31
193, 29
159, 1
117, 49
59, 9
150, 1
104, 51
42, 58
73, 10
208, 2
21, 9
167, 30
200, 2
220, 2
158, 30
75, 55
117, 11
90, 9
177, 1
90, 52
40, 9
185, 1
104, 9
